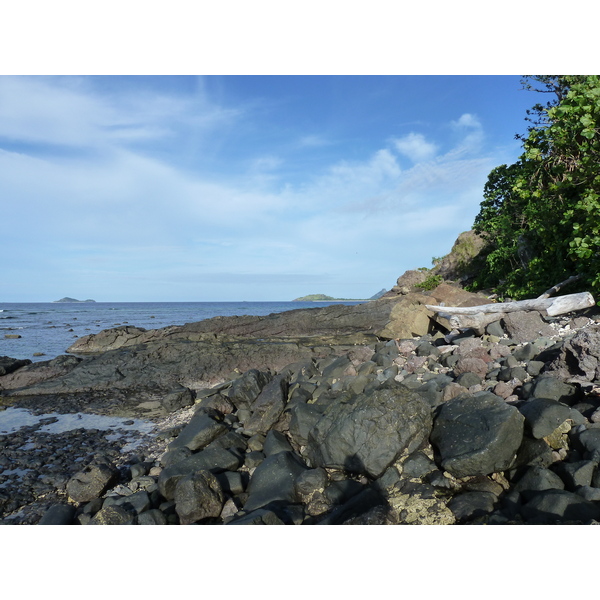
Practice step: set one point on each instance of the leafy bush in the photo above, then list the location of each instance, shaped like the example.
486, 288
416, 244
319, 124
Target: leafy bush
541, 215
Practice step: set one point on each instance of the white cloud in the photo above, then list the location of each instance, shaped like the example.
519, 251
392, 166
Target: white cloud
415, 147
468, 121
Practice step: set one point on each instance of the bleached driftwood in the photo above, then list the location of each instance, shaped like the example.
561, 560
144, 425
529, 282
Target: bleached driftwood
477, 317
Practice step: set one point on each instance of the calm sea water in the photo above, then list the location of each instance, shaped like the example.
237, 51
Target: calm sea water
50, 328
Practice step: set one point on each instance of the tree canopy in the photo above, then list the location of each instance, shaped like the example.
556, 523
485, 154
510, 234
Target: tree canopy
540, 216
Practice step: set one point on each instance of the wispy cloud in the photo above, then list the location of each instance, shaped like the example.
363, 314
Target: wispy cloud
415, 147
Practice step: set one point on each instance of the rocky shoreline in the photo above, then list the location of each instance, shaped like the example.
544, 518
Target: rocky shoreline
364, 414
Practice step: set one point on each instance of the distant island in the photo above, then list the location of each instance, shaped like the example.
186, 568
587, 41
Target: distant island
324, 298
67, 299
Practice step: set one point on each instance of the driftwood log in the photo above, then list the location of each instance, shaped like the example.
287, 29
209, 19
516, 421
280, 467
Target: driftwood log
478, 317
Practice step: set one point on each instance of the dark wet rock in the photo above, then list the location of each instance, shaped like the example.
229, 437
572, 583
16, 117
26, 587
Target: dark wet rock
576, 474
152, 517
58, 514
543, 415
268, 406
178, 399
525, 326
356, 506
262, 516
547, 386
92, 482
472, 505
274, 480
552, 506
589, 493
232, 482
533, 452
276, 442
366, 433
339, 492
244, 390
310, 481
136, 503
589, 441
468, 379
215, 460
303, 417
202, 429
418, 464
198, 496
477, 435
9, 365
538, 479
113, 515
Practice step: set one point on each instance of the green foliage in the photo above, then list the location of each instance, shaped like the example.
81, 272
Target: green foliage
430, 283
541, 216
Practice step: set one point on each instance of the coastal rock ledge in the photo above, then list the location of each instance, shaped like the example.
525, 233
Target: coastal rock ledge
318, 416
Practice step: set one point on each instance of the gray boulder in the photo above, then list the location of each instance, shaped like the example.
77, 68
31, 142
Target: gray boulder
477, 435
543, 415
202, 429
269, 405
579, 356
92, 482
215, 460
274, 481
552, 506
368, 432
526, 326
198, 496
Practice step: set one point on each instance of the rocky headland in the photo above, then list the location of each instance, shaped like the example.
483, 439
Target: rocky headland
366, 414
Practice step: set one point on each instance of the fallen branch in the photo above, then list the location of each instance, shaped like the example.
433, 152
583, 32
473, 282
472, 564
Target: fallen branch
559, 286
550, 306
478, 317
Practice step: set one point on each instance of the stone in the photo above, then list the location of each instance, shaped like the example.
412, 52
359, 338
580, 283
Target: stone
152, 517
468, 379
201, 430
576, 474
9, 365
136, 503
472, 505
177, 399
543, 415
244, 390
310, 481
257, 517
113, 515
552, 506
276, 442
215, 460
579, 356
274, 481
268, 406
58, 514
589, 440
366, 433
538, 479
525, 326
92, 482
417, 464
471, 365
198, 496
477, 435
495, 328
303, 417
547, 386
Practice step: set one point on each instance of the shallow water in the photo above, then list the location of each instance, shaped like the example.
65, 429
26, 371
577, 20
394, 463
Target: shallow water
49, 328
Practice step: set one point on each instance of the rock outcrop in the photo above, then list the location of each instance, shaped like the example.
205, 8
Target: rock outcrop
437, 428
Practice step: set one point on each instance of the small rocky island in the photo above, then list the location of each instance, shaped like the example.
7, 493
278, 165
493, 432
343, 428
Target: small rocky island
67, 299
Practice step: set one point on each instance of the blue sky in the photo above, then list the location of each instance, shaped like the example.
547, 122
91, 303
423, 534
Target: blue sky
225, 188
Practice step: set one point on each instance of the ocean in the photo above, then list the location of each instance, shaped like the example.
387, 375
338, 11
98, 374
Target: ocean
49, 328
